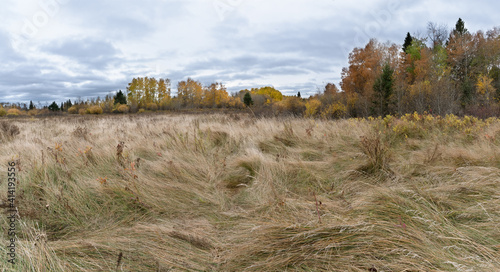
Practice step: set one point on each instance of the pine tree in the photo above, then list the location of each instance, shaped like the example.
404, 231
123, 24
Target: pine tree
32, 106
460, 29
53, 106
298, 95
247, 99
408, 42
120, 98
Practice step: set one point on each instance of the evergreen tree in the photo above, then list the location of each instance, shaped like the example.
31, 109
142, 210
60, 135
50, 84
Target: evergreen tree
298, 95
247, 99
120, 98
383, 91
467, 92
408, 42
495, 75
460, 29
53, 106
32, 106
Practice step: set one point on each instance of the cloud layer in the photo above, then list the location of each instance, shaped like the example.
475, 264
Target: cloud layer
65, 49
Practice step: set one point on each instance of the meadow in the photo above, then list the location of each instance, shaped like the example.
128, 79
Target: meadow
233, 192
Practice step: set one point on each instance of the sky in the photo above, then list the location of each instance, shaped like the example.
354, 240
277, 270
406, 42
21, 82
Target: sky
54, 50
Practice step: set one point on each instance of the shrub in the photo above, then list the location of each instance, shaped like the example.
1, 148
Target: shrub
408, 129
123, 109
335, 111
73, 110
82, 111
312, 108
42, 112
3, 112
13, 112
293, 105
234, 102
166, 103
94, 110
152, 107
141, 111
33, 112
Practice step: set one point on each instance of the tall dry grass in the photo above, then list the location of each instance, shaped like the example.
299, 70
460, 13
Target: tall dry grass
235, 193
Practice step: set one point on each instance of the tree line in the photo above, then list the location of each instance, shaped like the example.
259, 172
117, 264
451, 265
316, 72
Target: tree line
445, 72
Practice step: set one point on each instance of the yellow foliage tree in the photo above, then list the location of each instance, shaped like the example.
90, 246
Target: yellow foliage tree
190, 92
312, 107
484, 86
334, 111
272, 94
163, 91
215, 95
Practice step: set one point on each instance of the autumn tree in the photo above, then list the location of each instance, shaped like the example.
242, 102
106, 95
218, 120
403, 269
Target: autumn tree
190, 92
145, 92
313, 106
164, 93
270, 93
365, 66
134, 94
460, 55
150, 90
215, 95
437, 34
291, 105
485, 89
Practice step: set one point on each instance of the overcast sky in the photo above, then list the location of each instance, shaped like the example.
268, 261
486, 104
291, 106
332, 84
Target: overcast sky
65, 49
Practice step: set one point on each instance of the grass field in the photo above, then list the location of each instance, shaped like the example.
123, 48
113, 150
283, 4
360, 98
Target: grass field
235, 193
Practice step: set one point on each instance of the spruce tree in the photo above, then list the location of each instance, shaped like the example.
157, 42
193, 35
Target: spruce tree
120, 98
247, 99
383, 91
408, 41
460, 29
54, 106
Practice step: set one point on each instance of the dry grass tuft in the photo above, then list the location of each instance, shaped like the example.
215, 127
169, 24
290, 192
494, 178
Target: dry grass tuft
8, 131
376, 151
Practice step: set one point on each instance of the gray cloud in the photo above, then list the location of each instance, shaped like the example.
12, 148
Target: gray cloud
94, 54
91, 48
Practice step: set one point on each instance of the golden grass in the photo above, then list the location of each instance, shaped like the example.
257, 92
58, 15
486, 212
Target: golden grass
235, 193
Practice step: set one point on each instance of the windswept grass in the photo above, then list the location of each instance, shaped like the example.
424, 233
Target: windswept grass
235, 193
